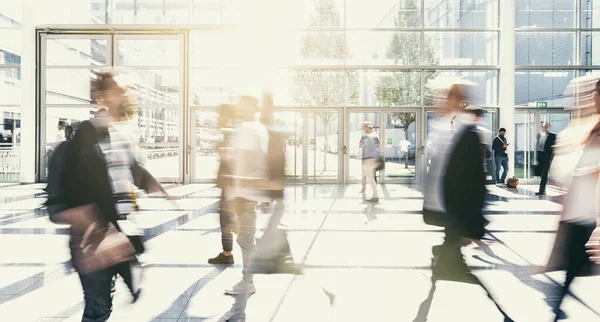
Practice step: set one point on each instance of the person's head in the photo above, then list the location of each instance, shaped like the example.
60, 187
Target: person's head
68, 132
477, 113
248, 107
502, 131
456, 99
267, 109
368, 128
110, 94
61, 125
545, 127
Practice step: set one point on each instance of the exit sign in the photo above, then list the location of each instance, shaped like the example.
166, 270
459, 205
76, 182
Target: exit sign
541, 104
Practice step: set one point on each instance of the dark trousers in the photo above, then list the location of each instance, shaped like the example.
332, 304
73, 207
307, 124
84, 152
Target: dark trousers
227, 220
544, 164
448, 264
577, 259
501, 161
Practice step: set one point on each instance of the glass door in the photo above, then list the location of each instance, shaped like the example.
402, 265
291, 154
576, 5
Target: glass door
400, 138
401, 146
204, 137
525, 134
293, 124
153, 65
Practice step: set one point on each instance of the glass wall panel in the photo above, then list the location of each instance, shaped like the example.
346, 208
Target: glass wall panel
124, 12
66, 86
461, 14
482, 85
10, 86
156, 86
545, 48
383, 48
589, 42
149, 52
12, 42
77, 52
461, 48
590, 14
386, 88
383, 14
311, 87
308, 48
211, 87
541, 86
546, 14
159, 141
215, 49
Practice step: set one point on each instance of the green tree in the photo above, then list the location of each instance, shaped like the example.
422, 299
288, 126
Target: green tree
403, 87
324, 87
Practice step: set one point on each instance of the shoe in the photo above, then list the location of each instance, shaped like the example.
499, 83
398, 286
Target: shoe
374, 200
221, 259
242, 287
540, 193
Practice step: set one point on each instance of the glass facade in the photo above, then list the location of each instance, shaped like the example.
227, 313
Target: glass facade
314, 55
10, 91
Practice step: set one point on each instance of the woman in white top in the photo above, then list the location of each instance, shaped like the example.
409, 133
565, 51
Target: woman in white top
578, 220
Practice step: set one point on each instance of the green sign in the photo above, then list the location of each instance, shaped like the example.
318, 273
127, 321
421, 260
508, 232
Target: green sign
541, 104
389, 141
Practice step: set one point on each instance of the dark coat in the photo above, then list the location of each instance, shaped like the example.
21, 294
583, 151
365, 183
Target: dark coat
464, 187
546, 157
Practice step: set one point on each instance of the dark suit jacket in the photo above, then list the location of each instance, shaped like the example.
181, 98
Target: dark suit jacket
464, 187
548, 147
87, 180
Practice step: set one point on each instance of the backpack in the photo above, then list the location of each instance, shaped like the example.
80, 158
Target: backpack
57, 169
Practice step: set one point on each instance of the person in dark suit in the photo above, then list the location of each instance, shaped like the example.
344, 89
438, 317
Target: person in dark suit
499, 145
464, 197
545, 153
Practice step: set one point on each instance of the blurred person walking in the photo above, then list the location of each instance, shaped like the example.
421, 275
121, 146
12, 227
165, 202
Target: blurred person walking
99, 179
370, 146
577, 169
545, 153
499, 145
226, 214
462, 195
249, 165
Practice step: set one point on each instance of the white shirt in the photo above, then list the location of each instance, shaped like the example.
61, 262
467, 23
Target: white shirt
581, 204
250, 136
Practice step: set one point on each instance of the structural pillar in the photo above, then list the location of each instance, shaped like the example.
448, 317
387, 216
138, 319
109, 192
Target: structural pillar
507, 77
28, 93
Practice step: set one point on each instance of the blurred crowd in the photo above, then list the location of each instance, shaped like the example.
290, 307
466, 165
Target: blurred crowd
94, 177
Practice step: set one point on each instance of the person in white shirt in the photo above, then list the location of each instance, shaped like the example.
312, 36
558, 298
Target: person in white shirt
60, 136
249, 163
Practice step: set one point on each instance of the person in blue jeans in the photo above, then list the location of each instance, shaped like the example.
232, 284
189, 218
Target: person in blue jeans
500, 156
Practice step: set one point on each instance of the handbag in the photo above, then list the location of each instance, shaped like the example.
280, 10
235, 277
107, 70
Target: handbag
380, 163
95, 245
512, 182
102, 247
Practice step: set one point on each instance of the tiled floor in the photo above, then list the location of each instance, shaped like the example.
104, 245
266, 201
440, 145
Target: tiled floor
374, 258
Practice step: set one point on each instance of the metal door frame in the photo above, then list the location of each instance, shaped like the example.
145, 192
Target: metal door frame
112, 36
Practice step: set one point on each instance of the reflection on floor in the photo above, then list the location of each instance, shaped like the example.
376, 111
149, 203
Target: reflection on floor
374, 258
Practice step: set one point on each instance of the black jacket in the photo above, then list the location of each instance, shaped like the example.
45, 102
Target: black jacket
548, 147
464, 187
498, 147
87, 180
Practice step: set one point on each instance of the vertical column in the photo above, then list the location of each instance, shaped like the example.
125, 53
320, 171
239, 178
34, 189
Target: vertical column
28, 132
507, 75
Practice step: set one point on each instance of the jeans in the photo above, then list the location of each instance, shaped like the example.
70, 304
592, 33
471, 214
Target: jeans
368, 172
96, 292
245, 211
501, 161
